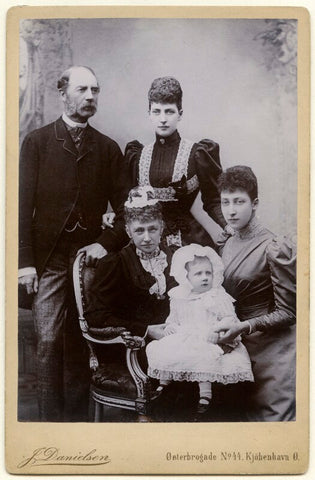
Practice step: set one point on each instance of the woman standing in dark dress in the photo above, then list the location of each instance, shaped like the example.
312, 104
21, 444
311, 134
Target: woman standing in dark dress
177, 168
260, 275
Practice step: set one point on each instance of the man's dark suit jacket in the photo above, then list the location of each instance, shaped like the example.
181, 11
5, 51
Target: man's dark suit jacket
53, 175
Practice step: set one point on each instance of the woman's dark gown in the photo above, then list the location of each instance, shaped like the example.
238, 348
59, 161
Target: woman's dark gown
260, 275
177, 169
120, 294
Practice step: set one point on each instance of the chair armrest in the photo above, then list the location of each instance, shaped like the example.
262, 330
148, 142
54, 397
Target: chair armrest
105, 333
116, 334
132, 341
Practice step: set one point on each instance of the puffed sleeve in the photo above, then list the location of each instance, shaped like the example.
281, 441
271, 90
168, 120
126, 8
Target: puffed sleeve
208, 168
281, 257
132, 154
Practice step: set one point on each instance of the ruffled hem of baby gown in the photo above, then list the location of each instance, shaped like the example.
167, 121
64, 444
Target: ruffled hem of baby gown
178, 376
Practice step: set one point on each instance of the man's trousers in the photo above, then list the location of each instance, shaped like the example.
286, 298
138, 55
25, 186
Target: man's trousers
62, 356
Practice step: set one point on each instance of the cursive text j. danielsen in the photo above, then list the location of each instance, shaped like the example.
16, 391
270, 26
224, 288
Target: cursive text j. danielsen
53, 456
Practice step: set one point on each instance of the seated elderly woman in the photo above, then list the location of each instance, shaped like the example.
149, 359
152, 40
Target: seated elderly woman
129, 289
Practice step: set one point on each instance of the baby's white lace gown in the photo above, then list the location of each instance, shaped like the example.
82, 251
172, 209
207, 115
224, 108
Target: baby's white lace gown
189, 353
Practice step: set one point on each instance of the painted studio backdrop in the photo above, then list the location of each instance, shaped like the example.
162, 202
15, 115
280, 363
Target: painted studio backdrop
238, 79
239, 83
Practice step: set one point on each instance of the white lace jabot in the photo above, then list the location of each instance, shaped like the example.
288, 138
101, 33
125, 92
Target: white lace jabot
155, 263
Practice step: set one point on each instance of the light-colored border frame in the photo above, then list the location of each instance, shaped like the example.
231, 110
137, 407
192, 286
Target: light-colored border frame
141, 448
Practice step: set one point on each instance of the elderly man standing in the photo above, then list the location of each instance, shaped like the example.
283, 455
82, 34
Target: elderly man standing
69, 172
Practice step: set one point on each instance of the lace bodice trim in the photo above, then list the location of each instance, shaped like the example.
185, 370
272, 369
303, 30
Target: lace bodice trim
180, 170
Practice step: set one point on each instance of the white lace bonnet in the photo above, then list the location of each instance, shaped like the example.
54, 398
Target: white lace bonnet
187, 254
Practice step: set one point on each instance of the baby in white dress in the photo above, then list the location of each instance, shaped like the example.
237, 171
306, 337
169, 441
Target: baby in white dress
190, 349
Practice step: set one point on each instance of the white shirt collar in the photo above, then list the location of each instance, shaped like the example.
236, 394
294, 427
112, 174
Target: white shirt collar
71, 123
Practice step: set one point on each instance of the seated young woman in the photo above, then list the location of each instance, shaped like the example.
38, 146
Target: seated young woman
179, 170
129, 288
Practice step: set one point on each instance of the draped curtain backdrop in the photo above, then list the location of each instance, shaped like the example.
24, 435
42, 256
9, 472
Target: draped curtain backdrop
45, 51
238, 77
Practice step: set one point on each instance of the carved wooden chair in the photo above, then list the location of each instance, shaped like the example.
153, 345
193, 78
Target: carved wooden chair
117, 378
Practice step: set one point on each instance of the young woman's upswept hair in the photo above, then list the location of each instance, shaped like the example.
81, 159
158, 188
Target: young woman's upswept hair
239, 177
166, 90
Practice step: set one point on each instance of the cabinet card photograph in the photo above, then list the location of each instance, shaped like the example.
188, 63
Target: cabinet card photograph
157, 250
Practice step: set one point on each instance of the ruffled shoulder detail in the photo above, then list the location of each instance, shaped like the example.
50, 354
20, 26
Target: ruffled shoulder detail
179, 292
132, 148
282, 249
208, 145
132, 154
218, 294
219, 300
212, 151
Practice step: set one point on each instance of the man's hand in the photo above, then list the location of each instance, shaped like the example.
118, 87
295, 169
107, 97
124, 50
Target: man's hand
108, 219
93, 253
30, 282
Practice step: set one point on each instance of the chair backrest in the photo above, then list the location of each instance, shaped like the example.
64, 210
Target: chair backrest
82, 280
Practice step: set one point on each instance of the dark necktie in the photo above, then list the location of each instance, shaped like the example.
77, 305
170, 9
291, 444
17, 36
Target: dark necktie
77, 135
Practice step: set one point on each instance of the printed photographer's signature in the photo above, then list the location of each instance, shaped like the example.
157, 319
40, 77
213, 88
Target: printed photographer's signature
53, 456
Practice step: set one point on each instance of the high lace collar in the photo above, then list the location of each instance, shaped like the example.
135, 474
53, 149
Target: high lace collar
148, 256
250, 231
155, 263
168, 141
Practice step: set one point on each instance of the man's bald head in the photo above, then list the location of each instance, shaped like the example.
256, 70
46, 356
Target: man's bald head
63, 81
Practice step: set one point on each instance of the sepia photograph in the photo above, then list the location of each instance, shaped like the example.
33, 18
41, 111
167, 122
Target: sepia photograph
162, 236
